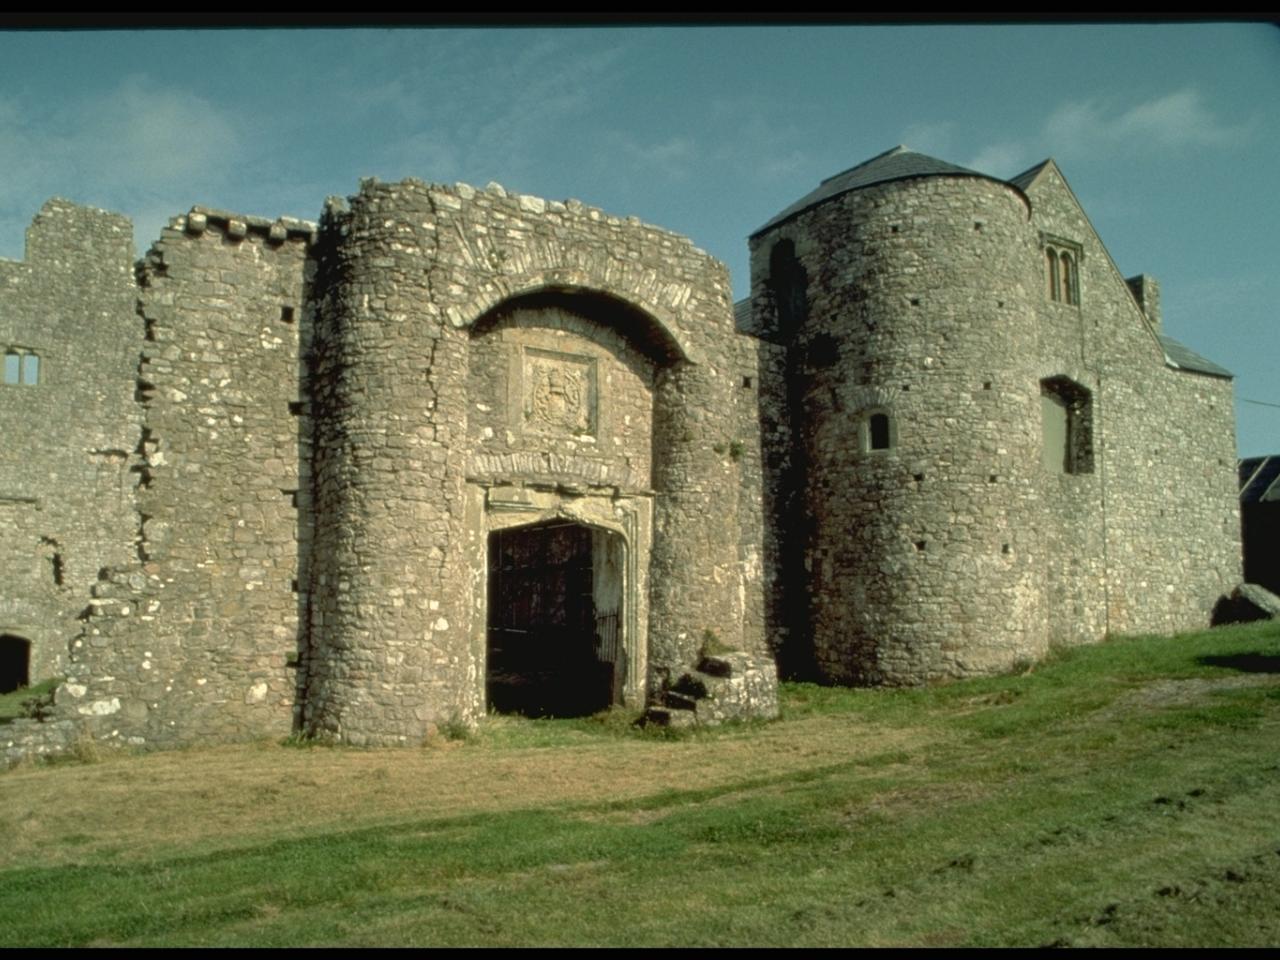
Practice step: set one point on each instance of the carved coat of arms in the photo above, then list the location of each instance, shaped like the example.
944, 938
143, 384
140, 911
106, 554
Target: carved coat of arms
557, 398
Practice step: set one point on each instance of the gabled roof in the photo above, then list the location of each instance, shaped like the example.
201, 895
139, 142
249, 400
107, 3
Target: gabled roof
1027, 177
1259, 479
1181, 357
896, 164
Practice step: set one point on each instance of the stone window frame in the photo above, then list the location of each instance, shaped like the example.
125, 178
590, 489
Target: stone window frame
1062, 260
1077, 400
25, 369
867, 433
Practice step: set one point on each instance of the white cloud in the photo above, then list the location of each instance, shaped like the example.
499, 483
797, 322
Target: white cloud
144, 131
1176, 119
672, 158
1081, 128
120, 148
1006, 159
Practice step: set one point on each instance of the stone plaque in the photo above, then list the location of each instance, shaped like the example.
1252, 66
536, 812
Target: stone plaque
559, 393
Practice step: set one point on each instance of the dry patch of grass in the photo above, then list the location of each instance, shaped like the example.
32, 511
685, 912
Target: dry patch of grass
138, 806
1183, 692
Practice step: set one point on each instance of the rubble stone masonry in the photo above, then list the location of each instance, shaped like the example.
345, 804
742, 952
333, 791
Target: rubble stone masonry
251, 485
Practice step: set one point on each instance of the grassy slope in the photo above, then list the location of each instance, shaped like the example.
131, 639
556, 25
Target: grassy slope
1123, 794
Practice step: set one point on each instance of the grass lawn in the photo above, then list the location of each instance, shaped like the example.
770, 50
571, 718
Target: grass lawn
1119, 795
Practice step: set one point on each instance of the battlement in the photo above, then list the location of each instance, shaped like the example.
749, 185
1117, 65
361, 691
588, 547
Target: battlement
237, 226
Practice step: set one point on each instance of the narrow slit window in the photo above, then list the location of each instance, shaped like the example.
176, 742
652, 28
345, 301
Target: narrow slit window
1068, 279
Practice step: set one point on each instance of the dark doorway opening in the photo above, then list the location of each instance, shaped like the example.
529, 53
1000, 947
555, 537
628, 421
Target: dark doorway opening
15, 663
554, 600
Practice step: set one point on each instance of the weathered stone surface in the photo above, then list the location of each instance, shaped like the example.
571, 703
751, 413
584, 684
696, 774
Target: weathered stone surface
261, 482
956, 547
67, 462
723, 687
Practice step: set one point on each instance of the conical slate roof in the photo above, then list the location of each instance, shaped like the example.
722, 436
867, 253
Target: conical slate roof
896, 164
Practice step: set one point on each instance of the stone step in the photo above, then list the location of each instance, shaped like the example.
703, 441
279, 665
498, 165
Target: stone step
690, 685
677, 700
715, 666
670, 717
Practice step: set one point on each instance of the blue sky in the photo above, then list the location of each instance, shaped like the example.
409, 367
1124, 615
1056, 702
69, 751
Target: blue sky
1169, 134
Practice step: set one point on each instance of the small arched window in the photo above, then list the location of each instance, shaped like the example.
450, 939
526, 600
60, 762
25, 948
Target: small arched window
1062, 271
877, 431
15, 663
1051, 256
1068, 279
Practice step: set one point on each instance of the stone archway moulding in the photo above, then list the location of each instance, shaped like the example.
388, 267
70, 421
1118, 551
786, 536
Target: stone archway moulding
639, 296
630, 518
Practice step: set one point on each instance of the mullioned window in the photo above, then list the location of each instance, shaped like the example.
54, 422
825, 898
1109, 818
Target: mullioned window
21, 367
1062, 271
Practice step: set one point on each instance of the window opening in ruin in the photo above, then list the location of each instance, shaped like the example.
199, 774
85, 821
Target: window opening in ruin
876, 432
789, 284
15, 663
554, 640
1066, 414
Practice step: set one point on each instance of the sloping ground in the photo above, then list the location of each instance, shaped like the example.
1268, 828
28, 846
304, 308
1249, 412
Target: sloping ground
1125, 794
236, 795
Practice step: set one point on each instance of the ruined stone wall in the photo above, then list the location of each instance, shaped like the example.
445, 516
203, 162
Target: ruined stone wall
197, 639
921, 560
406, 454
1149, 540
66, 491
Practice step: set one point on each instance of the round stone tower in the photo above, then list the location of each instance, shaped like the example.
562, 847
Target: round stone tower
525, 464
903, 293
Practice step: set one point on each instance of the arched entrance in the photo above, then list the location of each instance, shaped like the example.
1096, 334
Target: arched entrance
15, 663
554, 608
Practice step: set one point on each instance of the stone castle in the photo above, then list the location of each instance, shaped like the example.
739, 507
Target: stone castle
452, 450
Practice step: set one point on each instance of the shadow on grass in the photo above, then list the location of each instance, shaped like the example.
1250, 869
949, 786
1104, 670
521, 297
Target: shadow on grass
1244, 662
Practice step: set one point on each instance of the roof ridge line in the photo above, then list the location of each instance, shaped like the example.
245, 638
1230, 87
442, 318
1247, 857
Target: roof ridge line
900, 148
